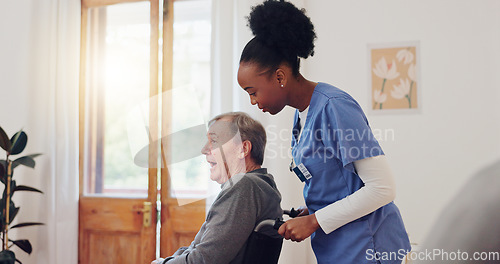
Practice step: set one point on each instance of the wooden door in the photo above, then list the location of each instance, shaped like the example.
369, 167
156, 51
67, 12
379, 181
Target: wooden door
121, 228
113, 231
114, 228
180, 223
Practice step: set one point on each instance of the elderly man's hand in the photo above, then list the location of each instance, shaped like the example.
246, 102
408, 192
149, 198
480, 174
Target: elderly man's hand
300, 228
157, 261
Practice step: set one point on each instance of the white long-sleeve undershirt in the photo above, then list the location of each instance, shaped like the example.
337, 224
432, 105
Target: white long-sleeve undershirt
378, 191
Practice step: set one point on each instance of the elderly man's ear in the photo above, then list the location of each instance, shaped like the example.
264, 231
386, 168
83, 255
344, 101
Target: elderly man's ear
245, 149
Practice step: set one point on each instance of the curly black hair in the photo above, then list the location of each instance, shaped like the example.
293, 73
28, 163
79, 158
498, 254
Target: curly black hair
283, 33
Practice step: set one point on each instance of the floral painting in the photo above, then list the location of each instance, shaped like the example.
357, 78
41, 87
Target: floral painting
394, 82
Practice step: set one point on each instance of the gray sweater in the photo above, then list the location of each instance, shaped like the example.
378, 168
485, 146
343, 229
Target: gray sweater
244, 201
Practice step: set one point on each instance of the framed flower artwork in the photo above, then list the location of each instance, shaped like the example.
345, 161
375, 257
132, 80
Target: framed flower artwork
394, 77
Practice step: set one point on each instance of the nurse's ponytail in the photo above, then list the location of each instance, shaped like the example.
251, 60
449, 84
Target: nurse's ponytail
283, 33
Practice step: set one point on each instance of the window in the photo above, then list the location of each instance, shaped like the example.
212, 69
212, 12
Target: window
191, 96
115, 83
120, 110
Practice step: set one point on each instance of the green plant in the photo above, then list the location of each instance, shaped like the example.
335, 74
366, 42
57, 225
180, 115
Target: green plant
8, 209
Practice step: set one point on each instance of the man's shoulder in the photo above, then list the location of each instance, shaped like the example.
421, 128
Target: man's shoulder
251, 179
260, 178
250, 182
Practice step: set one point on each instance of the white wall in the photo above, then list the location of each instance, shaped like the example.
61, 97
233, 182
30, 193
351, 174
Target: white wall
458, 130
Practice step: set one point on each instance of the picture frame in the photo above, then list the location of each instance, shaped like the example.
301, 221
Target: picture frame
394, 78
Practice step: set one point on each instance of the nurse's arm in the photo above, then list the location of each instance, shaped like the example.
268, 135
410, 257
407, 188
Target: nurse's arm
378, 191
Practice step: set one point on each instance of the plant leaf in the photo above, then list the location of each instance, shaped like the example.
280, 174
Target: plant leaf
26, 161
4, 140
2, 217
33, 155
24, 244
26, 224
2, 171
18, 141
13, 212
3, 164
26, 188
13, 186
7, 257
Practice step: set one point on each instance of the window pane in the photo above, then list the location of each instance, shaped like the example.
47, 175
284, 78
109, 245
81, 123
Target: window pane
191, 93
118, 81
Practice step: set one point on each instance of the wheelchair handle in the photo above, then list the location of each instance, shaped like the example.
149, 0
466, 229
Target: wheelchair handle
292, 212
278, 223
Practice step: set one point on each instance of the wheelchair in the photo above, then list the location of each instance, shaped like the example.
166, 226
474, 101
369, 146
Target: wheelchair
263, 249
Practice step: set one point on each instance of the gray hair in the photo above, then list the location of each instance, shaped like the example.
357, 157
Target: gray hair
250, 129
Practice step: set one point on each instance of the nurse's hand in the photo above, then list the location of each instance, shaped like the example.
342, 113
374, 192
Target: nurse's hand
300, 228
302, 211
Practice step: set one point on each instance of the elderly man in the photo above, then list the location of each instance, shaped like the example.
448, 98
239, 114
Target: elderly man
235, 151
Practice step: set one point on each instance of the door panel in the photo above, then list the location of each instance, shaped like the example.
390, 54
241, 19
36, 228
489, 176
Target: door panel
112, 231
179, 224
104, 244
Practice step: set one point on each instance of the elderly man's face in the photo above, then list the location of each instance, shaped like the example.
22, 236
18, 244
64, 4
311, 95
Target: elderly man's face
223, 151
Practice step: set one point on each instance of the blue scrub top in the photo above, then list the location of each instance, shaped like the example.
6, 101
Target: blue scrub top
336, 133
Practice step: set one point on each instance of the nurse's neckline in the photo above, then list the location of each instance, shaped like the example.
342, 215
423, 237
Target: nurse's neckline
304, 95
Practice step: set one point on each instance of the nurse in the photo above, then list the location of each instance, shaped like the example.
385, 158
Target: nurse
349, 188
